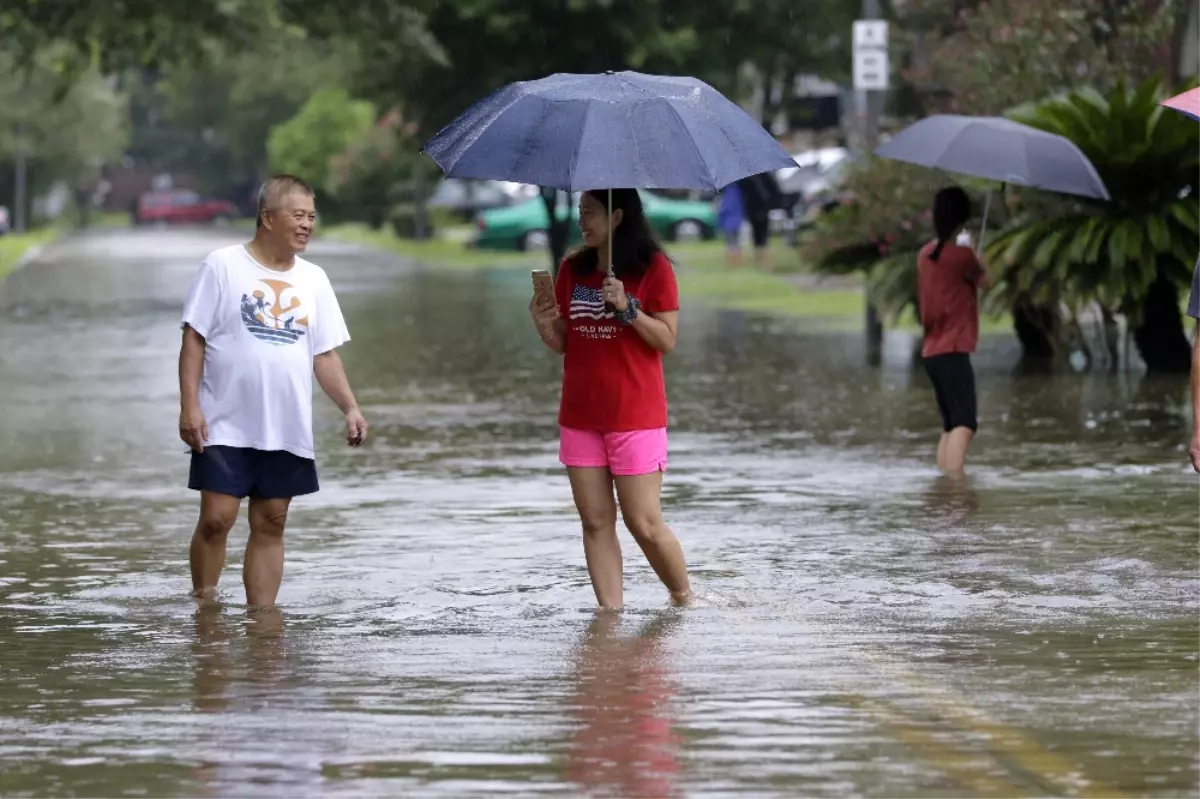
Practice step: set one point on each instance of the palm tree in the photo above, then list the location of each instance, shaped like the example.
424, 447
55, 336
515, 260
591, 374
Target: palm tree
1131, 256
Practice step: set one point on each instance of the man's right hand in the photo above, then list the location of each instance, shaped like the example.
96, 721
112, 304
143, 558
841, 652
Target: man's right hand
193, 428
1194, 450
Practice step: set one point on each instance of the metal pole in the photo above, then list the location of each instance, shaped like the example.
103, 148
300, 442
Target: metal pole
869, 104
19, 188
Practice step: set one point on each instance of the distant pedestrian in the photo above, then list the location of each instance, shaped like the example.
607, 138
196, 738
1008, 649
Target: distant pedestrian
949, 277
760, 195
730, 217
258, 323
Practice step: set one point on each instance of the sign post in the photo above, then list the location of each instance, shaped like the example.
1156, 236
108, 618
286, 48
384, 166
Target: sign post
871, 70
870, 55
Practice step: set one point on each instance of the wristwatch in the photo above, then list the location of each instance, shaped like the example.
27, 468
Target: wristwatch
627, 316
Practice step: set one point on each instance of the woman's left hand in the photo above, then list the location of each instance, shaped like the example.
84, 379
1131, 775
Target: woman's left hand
614, 294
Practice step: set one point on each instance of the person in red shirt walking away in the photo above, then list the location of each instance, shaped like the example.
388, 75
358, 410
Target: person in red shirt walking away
612, 333
949, 277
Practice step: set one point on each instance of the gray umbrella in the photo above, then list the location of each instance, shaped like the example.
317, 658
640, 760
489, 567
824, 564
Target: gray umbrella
998, 149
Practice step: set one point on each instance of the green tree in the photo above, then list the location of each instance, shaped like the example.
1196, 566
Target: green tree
112, 35
214, 115
984, 58
67, 136
322, 128
1134, 255
747, 44
380, 176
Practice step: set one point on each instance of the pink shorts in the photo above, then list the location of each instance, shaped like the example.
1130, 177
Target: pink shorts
626, 454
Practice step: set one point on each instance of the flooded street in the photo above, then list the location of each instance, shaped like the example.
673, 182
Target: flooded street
863, 628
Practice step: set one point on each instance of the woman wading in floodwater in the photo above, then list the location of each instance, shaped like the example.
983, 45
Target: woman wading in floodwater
949, 278
613, 332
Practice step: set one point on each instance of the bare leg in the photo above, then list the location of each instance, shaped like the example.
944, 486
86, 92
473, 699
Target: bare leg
733, 257
955, 455
641, 509
263, 570
218, 514
941, 450
593, 491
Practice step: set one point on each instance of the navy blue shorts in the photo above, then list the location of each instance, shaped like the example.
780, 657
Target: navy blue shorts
259, 474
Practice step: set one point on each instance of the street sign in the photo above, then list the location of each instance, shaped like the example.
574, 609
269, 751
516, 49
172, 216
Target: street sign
870, 34
870, 70
870, 55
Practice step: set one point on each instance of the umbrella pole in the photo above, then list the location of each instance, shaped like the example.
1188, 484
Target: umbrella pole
610, 227
987, 207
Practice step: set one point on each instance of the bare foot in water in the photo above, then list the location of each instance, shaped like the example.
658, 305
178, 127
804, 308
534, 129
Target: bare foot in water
682, 599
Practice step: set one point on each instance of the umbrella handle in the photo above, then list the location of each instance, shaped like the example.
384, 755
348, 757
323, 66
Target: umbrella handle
987, 207
610, 227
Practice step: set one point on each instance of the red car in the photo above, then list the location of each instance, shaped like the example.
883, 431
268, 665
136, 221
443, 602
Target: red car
180, 207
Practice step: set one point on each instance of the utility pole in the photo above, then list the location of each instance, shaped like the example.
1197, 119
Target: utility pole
21, 155
19, 181
870, 79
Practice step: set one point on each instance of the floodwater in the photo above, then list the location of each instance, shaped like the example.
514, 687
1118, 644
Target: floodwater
863, 628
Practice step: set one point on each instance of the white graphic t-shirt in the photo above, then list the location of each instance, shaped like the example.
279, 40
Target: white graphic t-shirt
262, 328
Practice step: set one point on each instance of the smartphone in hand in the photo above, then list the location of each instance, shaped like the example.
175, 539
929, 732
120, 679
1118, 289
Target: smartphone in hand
543, 284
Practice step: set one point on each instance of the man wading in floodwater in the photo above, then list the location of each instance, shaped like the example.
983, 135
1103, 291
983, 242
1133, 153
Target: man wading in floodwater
257, 324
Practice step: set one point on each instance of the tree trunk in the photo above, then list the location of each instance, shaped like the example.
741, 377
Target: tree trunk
1180, 29
1039, 328
1159, 337
1112, 338
558, 231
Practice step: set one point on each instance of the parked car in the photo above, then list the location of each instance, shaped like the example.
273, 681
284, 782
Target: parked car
466, 198
525, 226
178, 207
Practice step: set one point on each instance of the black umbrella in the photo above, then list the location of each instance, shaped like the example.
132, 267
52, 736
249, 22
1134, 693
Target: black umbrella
998, 149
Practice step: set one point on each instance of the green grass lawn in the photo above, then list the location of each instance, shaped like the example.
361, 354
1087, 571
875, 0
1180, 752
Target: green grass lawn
446, 252
14, 245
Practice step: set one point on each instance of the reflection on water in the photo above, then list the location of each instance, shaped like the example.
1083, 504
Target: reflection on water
952, 502
239, 665
220, 682
864, 626
625, 745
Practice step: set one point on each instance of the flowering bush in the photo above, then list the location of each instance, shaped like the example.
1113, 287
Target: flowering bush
882, 220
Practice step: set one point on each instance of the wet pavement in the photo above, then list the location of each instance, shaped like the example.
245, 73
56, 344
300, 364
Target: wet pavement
863, 627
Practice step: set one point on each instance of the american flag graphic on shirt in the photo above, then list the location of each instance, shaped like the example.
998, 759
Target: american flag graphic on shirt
587, 303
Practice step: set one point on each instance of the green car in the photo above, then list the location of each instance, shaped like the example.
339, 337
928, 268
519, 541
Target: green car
525, 226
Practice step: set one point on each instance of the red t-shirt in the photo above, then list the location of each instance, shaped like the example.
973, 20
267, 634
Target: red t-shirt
612, 379
947, 290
